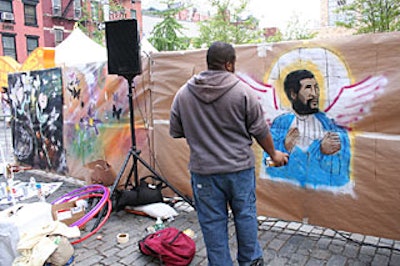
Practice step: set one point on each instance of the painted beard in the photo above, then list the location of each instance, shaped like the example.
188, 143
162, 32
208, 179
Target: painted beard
304, 109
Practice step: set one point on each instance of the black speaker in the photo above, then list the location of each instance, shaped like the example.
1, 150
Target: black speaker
123, 47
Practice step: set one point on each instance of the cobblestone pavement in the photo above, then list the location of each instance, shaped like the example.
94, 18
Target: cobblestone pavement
284, 243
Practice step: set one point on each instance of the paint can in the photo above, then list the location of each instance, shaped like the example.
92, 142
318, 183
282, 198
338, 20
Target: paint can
269, 163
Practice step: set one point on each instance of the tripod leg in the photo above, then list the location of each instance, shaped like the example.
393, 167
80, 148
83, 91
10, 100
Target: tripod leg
158, 176
127, 182
134, 169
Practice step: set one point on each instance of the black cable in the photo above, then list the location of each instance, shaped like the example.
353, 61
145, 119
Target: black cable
363, 243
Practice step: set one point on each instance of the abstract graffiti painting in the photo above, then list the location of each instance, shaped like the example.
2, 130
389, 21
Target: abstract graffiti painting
37, 125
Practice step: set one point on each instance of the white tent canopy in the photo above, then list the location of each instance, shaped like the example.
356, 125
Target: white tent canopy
79, 49
146, 47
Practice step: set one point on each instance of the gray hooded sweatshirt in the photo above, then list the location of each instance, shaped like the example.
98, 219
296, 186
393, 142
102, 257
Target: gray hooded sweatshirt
218, 114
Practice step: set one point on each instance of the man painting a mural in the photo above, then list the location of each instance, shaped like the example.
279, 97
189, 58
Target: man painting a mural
218, 115
310, 137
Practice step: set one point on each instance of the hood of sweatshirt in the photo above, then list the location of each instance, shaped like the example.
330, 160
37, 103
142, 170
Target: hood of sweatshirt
209, 85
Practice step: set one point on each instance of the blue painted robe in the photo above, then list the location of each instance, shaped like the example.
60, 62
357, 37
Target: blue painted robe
310, 167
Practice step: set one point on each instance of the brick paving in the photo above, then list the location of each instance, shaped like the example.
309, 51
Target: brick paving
283, 242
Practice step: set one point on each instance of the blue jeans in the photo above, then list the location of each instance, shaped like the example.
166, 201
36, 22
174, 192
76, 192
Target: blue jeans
212, 194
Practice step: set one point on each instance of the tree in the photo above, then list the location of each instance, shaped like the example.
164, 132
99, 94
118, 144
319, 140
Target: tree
86, 19
298, 30
228, 25
371, 15
167, 35
92, 19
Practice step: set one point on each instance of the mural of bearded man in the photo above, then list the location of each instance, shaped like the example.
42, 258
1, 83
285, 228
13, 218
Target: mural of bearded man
319, 149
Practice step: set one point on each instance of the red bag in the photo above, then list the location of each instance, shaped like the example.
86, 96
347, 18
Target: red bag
170, 245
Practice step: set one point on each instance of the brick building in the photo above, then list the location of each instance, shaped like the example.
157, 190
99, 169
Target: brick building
28, 24
329, 17
21, 28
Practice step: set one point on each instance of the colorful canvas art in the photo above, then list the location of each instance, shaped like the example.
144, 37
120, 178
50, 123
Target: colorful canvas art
37, 125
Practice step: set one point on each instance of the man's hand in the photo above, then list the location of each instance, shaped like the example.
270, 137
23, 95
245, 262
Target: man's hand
330, 143
280, 158
291, 138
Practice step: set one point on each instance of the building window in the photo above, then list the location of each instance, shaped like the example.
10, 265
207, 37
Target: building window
133, 14
32, 42
58, 36
6, 11
77, 9
56, 8
30, 14
333, 14
8, 42
6, 6
94, 10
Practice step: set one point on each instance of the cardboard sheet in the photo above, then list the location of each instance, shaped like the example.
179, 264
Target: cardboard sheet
372, 189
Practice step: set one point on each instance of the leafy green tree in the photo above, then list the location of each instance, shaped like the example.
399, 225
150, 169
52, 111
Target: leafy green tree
167, 35
84, 20
95, 17
298, 30
228, 25
371, 15
278, 37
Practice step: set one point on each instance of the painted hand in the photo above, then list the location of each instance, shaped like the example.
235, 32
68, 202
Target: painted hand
330, 143
291, 138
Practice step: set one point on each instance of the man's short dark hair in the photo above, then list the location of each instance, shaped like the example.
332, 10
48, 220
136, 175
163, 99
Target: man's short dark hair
292, 81
218, 54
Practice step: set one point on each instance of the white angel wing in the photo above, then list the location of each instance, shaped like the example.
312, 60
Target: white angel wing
353, 102
267, 96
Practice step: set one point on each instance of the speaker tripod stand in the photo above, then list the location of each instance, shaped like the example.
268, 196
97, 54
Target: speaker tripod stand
134, 155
